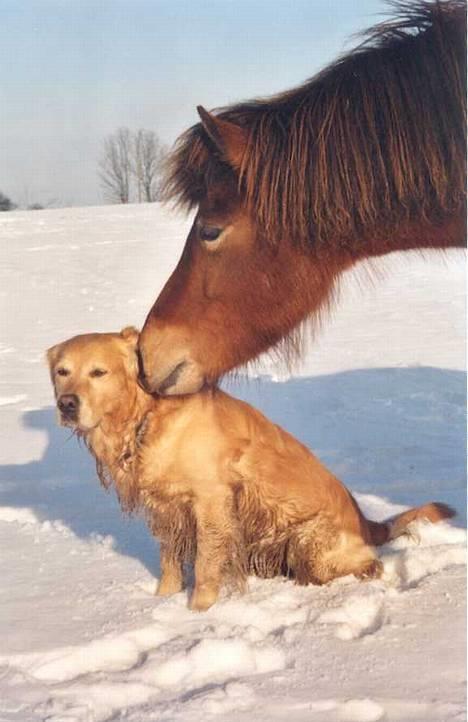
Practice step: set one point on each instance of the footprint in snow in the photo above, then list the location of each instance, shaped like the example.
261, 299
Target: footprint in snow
357, 617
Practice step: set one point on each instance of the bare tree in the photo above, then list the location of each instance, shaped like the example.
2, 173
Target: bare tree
148, 154
115, 166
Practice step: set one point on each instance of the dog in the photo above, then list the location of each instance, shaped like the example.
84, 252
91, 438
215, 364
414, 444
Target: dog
222, 487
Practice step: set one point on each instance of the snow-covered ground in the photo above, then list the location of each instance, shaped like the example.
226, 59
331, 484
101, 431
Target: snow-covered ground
380, 397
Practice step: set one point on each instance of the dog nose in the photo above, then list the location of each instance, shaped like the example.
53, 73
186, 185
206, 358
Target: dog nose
68, 404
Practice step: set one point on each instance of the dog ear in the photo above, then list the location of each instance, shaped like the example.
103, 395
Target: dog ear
130, 334
52, 354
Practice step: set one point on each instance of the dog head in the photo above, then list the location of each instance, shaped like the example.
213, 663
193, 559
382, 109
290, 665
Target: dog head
94, 376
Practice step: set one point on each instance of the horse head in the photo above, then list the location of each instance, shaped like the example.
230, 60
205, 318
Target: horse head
234, 293
366, 158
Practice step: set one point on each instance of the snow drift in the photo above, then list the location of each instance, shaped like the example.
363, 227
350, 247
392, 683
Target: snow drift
380, 398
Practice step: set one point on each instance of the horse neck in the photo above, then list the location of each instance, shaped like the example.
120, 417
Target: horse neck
448, 233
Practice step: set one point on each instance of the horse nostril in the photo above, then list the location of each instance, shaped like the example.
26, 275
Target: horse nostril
171, 379
68, 404
141, 376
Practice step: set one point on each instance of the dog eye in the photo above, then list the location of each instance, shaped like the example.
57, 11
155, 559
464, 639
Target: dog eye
95, 373
62, 372
209, 233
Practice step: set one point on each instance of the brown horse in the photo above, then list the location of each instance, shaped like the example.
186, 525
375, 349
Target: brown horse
366, 158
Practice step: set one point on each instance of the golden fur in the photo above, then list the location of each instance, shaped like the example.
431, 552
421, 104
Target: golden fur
222, 487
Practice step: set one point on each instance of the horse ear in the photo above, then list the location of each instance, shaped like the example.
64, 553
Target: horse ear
229, 138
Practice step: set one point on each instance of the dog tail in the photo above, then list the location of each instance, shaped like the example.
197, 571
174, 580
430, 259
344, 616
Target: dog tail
382, 532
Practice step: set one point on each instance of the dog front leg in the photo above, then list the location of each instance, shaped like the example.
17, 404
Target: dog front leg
171, 580
215, 544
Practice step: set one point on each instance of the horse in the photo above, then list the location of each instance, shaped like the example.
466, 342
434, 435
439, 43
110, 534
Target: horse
290, 191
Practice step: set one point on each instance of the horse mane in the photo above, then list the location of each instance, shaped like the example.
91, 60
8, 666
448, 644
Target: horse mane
373, 140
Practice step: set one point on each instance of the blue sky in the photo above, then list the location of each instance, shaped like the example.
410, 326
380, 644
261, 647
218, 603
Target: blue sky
75, 70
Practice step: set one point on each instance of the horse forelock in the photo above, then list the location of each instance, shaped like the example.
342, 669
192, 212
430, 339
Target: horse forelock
193, 168
374, 140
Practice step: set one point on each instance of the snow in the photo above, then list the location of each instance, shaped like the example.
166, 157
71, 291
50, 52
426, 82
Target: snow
21, 516
380, 396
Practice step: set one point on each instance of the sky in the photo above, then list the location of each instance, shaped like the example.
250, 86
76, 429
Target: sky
73, 71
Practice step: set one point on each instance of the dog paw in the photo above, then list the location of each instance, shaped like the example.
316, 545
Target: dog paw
203, 599
372, 570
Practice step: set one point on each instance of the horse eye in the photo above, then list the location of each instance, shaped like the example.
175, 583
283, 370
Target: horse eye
62, 372
209, 233
95, 373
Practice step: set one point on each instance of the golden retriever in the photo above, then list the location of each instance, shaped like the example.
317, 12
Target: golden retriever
223, 487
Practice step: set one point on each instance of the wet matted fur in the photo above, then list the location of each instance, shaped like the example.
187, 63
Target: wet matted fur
222, 487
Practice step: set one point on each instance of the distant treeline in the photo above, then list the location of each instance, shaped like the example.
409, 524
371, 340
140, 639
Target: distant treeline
130, 170
6, 204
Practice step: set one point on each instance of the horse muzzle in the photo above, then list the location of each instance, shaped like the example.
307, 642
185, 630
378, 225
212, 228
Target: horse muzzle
165, 361
182, 377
